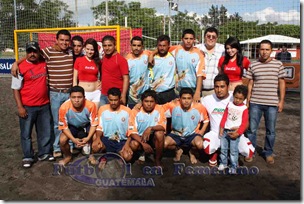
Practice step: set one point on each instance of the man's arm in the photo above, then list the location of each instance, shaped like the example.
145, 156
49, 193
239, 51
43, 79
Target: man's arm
282, 89
90, 134
15, 68
21, 110
75, 77
249, 86
125, 87
197, 94
97, 144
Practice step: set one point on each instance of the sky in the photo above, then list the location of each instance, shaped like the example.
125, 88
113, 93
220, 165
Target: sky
281, 11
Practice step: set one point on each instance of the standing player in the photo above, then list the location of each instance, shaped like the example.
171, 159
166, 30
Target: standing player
114, 71
138, 70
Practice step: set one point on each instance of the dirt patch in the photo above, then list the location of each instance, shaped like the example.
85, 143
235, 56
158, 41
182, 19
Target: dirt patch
281, 181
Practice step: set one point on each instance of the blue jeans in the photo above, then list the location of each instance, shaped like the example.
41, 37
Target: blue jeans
232, 144
57, 99
40, 117
103, 100
270, 116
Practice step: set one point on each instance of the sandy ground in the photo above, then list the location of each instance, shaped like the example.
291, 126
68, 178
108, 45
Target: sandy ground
281, 181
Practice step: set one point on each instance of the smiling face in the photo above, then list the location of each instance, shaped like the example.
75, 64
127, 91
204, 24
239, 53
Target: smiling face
89, 50
63, 42
109, 47
210, 39
231, 51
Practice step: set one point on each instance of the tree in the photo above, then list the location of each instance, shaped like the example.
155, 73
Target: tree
30, 15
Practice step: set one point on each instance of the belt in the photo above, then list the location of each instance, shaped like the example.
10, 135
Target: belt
60, 90
207, 89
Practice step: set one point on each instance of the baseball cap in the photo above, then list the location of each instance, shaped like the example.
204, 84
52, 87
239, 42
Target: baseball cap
32, 45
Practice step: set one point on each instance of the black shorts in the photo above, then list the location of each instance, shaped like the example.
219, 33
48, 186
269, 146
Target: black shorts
80, 132
166, 96
179, 140
112, 145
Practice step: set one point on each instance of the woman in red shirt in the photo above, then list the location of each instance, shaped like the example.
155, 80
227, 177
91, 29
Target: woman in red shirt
233, 63
87, 70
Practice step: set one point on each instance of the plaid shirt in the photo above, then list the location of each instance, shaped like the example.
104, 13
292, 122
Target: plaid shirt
211, 63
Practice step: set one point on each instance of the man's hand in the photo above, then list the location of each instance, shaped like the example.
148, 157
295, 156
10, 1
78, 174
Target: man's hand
78, 142
146, 134
15, 69
147, 148
22, 112
197, 97
123, 100
96, 145
280, 106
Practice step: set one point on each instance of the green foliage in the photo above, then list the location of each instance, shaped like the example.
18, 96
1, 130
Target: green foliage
31, 15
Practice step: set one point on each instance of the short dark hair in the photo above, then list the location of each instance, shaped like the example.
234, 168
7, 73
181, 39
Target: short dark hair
148, 93
63, 32
77, 89
77, 38
266, 42
221, 77
242, 89
163, 38
114, 92
137, 38
110, 38
188, 31
186, 91
211, 30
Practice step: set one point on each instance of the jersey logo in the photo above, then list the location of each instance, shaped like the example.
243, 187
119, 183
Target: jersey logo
123, 119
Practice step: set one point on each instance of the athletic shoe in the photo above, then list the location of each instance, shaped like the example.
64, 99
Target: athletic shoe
232, 171
270, 159
248, 159
27, 163
212, 163
222, 167
86, 149
46, 157
57, 154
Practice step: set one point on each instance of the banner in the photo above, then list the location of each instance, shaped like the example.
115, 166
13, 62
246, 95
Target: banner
6, 65
292, 71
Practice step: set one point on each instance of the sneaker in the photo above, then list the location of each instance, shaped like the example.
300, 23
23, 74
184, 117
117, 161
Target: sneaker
86, 149
248, 159
270, 159
232, 171
57, 154
222, 167
46, 157
74, 150
27, 163
212, 163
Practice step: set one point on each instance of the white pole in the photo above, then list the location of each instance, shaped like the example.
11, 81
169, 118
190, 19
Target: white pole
15, 11
93, 23
107, 13
169, 25
126, 21
76, 12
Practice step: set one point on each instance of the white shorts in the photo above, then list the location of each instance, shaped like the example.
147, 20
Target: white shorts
93, 96
212, 142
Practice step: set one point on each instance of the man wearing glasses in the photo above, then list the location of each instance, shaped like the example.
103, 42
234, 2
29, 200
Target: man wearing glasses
213, 51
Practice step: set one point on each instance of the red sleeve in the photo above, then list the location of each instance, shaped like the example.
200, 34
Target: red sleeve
221, 60
243, 125
224, 118
246, 63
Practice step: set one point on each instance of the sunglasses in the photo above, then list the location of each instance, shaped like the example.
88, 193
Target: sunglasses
211, 37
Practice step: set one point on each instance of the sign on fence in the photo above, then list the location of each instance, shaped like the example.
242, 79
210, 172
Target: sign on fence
6, 65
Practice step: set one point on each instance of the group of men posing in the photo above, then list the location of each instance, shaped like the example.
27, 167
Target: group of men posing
117, 128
